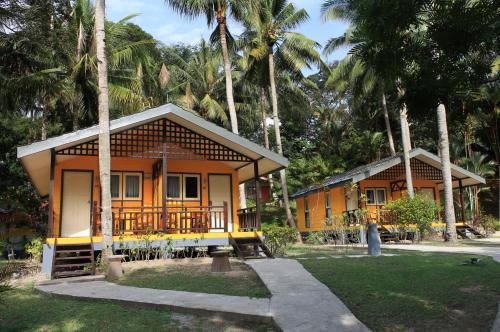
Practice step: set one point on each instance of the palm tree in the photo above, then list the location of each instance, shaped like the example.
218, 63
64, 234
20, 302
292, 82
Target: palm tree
216, 10
369, 51
104, 141
444, 148
198, 83
269, 35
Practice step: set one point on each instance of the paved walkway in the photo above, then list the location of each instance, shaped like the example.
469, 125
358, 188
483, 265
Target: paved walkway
494, 252
201, 301
300, 302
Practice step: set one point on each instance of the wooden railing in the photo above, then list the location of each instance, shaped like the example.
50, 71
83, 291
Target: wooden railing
248, 219
149, 219
383, 216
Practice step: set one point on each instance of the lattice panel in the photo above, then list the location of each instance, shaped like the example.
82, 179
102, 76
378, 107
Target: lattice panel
419, 170
146, 141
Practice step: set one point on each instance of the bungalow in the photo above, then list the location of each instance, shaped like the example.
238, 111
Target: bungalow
173, 174
370, 187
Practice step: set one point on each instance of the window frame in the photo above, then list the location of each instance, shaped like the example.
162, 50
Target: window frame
124, 186
179, 176
120, 185
328, 208
307, 213
198, 178
375, 196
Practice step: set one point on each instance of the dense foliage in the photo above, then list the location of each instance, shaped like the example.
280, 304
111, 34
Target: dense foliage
331, 121
416, 212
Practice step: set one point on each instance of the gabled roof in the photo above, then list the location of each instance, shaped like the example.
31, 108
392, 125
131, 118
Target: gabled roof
365, 171
36, 156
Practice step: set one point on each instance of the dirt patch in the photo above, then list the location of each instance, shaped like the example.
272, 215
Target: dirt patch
187, 265
471, 289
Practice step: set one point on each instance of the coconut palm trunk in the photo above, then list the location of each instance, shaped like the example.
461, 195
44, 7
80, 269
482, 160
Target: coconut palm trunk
444, 148
221, 19
262, 101
388, 125
406, 149
104, 141
276, 121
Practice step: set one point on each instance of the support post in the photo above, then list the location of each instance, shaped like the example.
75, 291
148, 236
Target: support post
50, 224
257, 193
164, 176
462, 204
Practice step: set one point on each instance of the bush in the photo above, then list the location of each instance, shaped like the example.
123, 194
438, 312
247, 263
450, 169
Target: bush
317, 238
418, 211
487, 224
34, 249
277, 238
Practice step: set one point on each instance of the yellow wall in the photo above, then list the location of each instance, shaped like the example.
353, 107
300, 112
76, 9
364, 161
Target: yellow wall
317, 201
317, 210
204, 168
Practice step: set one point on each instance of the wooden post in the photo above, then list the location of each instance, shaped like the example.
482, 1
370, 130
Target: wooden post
462, 204
257, 192
164, 176
50, 224
226, 216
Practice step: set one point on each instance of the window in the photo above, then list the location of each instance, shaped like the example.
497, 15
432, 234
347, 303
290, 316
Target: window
306, 213
116, 180
126, 185
174, 186
427, 193
191, 187
133, 186
328, 209
375, 196
183, 186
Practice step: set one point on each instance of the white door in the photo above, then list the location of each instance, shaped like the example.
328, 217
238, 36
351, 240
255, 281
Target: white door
76, 203
219, 191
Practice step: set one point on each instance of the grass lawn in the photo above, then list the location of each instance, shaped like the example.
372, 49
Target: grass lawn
412, 291
194, 275
30, 310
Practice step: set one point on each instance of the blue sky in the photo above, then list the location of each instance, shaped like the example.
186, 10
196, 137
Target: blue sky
168, 27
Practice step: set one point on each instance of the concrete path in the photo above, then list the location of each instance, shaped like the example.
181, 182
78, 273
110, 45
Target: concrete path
300, 302
493, 252
200, 301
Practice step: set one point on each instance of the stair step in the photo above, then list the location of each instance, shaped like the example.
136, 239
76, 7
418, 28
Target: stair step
73, 250
64, 274
72, 258
89, 264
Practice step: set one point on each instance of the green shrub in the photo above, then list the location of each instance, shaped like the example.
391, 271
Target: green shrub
34, 248
487, 224
317, 238
419, 211
277, 238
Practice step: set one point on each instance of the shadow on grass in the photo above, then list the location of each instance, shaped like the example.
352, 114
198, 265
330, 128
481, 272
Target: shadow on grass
30, 310
414, 291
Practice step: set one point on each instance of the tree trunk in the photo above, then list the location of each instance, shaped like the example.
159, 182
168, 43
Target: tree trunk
104, 141
406, 150
444, 147
388, 125
262, 100
45, 123
276, 120
79, 43
229, 91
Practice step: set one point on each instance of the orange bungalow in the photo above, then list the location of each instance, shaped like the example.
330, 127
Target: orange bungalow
173, 174
370, 186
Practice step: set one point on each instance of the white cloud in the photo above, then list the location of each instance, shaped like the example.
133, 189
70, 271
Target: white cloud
170, 33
